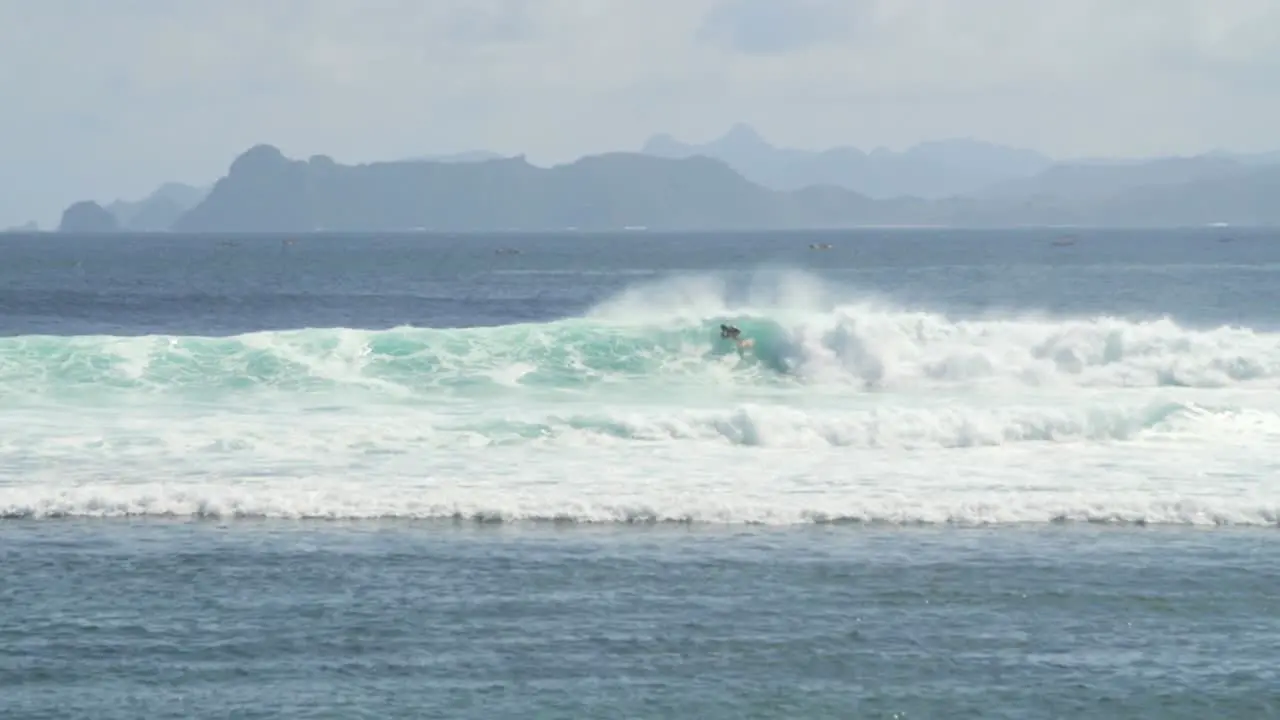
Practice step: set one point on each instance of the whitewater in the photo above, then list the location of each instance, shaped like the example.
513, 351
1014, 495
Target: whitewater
852, 407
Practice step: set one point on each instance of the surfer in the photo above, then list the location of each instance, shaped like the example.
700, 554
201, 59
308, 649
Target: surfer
730, 332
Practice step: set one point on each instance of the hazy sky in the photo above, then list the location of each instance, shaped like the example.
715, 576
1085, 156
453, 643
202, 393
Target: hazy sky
107, 98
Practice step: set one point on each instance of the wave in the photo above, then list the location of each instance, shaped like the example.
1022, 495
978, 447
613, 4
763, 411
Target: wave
947, 426
666, 332
1109, 462
241, 434
847, 409
221, 502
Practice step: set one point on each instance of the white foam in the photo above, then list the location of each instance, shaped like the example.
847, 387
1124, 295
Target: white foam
753, 463
891, 415
836, 336
774, 491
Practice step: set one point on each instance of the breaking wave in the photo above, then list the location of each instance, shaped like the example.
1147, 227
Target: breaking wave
844, 410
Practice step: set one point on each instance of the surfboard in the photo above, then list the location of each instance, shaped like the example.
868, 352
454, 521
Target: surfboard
744, 344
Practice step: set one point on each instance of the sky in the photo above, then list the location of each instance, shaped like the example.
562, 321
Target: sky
106, 99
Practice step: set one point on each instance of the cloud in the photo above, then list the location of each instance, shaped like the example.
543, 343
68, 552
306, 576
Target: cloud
104, 99
769, 27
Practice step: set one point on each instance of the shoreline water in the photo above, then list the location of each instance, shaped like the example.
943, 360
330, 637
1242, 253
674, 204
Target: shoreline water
195, 620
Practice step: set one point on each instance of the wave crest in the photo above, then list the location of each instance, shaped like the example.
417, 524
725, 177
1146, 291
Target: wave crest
860, 346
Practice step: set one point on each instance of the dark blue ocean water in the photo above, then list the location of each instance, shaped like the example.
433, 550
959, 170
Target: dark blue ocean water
233, 284
114, 604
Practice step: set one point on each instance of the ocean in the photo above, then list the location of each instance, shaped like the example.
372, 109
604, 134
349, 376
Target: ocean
961, 474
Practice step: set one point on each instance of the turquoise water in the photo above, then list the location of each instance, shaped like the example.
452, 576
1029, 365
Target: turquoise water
959, 474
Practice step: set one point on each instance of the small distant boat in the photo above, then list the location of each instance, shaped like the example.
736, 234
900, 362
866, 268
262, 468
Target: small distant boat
819, 246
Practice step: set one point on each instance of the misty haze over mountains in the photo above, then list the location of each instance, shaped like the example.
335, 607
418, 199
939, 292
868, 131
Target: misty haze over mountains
738, 180
950, 168
929, 170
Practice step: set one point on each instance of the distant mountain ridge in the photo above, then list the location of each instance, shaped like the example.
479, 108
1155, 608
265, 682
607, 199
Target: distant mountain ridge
266, 192
159, 210
936, 169
87, 216
669, 186
1076, 183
